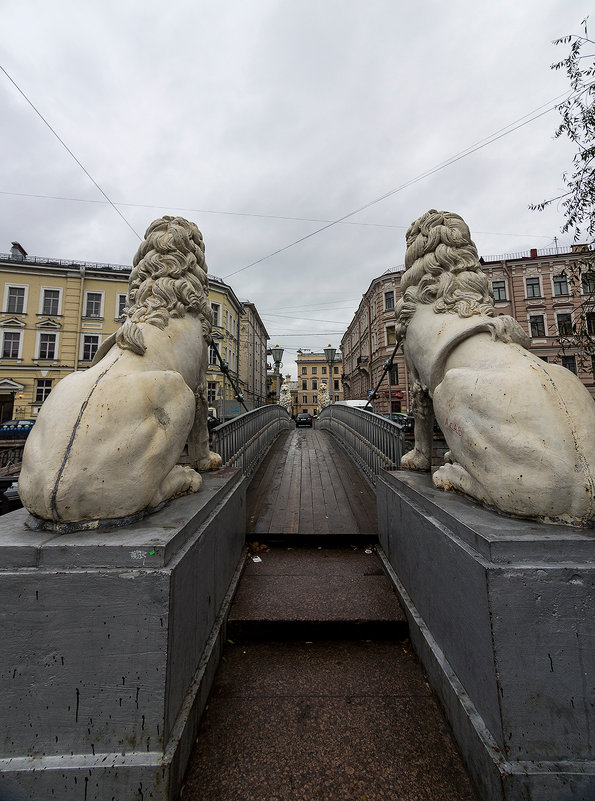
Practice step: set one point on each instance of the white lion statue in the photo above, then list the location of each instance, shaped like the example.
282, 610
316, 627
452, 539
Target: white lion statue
107, 440
285, 397
323, 397
521, 431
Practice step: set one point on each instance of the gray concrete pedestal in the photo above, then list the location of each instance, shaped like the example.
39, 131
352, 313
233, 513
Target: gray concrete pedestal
501, 613
109, 643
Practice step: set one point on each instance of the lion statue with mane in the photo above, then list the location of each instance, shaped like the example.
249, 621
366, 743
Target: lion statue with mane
520, 431
105, 447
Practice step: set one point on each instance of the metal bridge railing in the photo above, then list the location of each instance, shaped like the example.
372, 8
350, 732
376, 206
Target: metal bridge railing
373, 442
245, 440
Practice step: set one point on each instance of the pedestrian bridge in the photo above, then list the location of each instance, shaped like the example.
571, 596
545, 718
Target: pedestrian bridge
262, 638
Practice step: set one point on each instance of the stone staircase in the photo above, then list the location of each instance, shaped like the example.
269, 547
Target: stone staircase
319, 696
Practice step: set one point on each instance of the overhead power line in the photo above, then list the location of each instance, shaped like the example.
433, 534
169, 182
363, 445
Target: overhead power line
508, 129
65, 146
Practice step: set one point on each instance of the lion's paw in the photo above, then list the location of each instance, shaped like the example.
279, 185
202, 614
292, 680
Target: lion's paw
211, 462
415, 460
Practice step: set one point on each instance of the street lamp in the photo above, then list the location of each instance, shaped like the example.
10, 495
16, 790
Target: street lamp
277, 354
329, 354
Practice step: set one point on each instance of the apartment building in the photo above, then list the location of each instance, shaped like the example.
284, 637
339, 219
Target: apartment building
56, 313
534, 287
253, 356
313, 370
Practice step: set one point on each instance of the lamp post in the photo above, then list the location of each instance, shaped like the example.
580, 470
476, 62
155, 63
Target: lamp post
329, 354
277, 354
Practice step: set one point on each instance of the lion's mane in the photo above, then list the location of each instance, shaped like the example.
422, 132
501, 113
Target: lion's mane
442, 268
168, 279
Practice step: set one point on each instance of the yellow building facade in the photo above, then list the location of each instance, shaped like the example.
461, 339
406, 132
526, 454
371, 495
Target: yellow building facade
56, 313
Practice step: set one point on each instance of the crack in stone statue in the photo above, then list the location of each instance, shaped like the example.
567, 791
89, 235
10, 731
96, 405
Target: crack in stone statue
105, 447
521, 431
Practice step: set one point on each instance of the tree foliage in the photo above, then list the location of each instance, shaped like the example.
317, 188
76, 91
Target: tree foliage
578, 201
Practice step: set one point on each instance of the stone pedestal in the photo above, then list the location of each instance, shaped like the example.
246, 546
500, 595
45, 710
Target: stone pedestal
110, 641
501, 613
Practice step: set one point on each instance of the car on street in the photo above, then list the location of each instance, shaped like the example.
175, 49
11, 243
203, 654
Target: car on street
16, 429
303, 419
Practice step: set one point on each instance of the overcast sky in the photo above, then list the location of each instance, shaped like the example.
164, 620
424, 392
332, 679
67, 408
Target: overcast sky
264, 120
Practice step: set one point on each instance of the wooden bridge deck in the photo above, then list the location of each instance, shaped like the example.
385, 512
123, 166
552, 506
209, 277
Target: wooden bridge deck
307, 485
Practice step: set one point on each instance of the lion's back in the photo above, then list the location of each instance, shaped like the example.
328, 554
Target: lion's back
109, 447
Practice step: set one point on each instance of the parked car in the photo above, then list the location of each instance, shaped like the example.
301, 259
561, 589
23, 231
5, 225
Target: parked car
303, 419
16, 429
405, 422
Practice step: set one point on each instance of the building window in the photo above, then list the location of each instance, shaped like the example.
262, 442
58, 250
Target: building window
588, 282
560, 285
212, 355
564, 325
304, 383
42, 389
121, 298
394, 374
314, 370
216, 309
16, 300
533, 288
90, 345
336, 370
47, 346
569, 362
11, 344
304, 399
314, 383
315, 399
93, 304
499, 288
336, 385
304, 370
323, 370
211, 393
51, 302
537, 325
591, 323
544, 358
390, 335
389, 300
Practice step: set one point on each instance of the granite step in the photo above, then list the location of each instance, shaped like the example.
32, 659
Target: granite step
314, 593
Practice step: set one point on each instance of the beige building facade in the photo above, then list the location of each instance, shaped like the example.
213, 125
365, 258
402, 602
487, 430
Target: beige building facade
56, 313
533, 287
253, 356
312, 371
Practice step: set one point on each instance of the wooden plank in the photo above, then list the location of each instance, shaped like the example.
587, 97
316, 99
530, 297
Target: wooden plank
261, 498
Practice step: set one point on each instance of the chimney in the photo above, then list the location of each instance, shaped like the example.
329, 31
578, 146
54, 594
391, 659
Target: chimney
17, 252
533, 253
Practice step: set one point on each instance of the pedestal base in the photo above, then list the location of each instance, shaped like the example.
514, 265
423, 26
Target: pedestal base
500, 613
110, 641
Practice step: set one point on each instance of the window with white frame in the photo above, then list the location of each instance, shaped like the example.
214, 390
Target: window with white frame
93, 304
389, 300
11, 345
304, 399
314, 370
499, 289
50, 304
533, 287
560, 285
46, 346
121, 298
537, 325
43, 387
564, 322
212, 355
89, 346
304, 370
588, 282
324, 371
15, 299
216, 309
315, 399
211, 393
